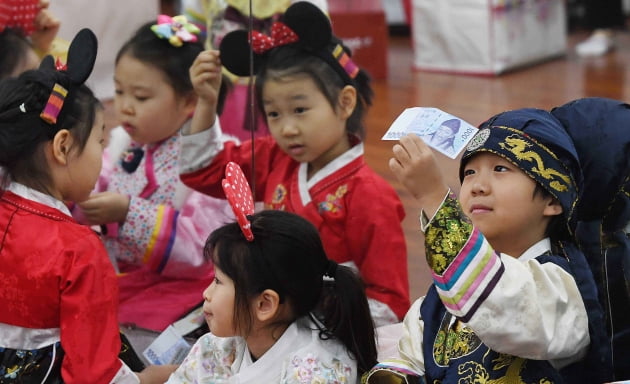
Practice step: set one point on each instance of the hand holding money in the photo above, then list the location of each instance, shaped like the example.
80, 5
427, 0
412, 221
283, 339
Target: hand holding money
440, 130
415, 166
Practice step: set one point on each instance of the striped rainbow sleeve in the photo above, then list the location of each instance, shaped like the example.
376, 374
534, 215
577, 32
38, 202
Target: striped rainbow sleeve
464, 266
162, 238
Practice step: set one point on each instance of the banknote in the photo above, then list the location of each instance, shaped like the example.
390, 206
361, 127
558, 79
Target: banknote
168, 348
442, 131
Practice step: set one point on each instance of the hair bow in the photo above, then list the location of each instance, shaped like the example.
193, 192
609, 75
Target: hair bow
177, 30
281, 34
303, 23
239, 195
60, 65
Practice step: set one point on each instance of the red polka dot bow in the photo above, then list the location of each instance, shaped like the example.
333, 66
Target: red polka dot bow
280, 35
239, 195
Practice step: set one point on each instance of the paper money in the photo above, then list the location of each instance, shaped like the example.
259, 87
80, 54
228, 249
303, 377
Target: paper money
168, 348
442, 131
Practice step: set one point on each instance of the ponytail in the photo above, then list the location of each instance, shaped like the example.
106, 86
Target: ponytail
345, 313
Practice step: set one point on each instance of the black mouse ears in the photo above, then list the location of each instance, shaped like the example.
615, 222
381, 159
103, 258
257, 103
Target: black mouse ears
303, 25
81, 58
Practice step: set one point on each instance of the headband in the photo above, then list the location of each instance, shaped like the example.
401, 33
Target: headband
61, 79
304, 26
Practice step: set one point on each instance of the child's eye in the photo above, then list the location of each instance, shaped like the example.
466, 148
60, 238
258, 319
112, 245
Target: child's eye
142, 98
272, 114
500, 168
118, 91
216, 280
468, 172
300, 110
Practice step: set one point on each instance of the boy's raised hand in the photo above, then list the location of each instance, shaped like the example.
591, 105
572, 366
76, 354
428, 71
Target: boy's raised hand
415, 166
205, 76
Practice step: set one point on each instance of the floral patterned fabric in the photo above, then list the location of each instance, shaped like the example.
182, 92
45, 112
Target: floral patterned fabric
298, 357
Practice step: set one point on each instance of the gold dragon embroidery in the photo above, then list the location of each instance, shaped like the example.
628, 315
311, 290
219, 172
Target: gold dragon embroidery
518, 147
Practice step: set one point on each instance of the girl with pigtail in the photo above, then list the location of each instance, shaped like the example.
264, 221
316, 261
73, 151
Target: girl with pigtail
279, 311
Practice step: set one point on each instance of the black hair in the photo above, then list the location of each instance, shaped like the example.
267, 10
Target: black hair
293, 60
557, 227
288, 257
14, 47
23, 132
157, 52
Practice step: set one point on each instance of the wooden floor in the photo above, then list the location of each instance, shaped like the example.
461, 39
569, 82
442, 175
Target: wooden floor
476, 98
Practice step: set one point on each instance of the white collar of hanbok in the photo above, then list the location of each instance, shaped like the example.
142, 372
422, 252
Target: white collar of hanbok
40, 197
330, 168
536, 250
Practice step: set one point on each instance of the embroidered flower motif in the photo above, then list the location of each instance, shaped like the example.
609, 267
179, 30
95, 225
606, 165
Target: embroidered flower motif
310, 370
279, 194
333, 202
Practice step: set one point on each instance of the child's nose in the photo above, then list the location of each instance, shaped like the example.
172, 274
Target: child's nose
126, 106
479, 185
289, 129
207, 293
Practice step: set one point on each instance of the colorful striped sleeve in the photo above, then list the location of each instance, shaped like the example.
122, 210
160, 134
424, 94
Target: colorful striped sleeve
464, 266
162, 238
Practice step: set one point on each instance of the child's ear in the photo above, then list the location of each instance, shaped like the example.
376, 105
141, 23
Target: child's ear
553, 208
267, 305
61, 146
190, 102
347, 101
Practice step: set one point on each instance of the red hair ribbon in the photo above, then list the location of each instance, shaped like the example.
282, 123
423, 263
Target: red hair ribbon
60, 65
280, 35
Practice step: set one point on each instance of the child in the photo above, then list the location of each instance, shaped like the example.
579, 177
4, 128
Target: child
217, 18
155, 225
57, 287
27, 32
598, 127
313, 164
279, 310
526, 314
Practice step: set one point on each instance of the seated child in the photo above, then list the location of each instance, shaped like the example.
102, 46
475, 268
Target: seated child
513, 299
314, 99
279, 311
58, 322
155, 226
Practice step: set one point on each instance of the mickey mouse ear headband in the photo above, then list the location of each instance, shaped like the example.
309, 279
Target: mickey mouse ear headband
239, 195
81, 58
303, 26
